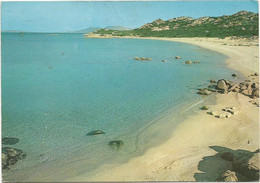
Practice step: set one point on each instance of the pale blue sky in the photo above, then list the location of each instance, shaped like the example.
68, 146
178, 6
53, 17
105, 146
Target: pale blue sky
68, 16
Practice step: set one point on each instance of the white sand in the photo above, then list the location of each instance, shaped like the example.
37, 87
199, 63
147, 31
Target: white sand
180, 158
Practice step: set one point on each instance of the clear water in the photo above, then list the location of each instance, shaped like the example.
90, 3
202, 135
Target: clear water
56, 89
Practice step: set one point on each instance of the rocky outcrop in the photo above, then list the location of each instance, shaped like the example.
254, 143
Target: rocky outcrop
248, 166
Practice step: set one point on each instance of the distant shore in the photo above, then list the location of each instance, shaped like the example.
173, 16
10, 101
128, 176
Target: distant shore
190, 154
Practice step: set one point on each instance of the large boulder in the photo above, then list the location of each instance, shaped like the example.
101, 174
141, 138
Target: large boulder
222, 85
248, 166
227, 176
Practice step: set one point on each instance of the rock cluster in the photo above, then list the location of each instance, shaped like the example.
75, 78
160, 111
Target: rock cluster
10, 155
245, 167
248, 88
143, 58
191, 62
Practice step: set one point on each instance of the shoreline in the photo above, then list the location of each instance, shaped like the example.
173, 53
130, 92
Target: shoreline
181, 156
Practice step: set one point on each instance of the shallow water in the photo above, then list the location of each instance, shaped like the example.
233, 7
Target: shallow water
56, 89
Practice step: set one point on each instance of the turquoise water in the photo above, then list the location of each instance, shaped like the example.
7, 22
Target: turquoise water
56, 89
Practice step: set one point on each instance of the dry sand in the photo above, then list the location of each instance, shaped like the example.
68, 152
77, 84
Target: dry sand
191, 153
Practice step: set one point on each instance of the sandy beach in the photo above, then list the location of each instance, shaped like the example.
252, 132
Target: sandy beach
192, 153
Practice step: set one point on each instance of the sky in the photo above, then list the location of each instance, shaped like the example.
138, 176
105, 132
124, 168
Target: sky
78, 15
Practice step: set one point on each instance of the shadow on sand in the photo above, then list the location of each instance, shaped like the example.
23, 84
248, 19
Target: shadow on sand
212, 166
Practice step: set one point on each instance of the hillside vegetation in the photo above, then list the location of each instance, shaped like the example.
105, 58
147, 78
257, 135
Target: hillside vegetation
243, 23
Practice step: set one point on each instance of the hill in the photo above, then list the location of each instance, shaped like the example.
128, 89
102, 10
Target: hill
243, 23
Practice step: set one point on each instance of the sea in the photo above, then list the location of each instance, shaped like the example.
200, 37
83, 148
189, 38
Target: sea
58, 88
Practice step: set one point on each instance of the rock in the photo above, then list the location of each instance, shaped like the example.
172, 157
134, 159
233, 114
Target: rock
116, 145
164, 60
228, 115
227, 156
228, 176
221, 85
188, 62
149, 59
96, 132
212, 81
142, 58
196, 62
234, 75
213, 113
254, 85
177, 57
204, 107
247, 92
248, 166
231, 110
204, 92
234, 87
10, 156
137, 58
9, 140
255, 74
255, 93
221, 116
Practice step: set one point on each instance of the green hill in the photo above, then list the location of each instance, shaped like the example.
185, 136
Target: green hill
243, 23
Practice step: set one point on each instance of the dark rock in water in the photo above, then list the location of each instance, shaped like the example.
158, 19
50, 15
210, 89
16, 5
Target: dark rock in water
248, 166
227, 156
196, 62
227, 176
234, 75
164, 60
10, 156
9, 140
116, 145
177, 57
96, 132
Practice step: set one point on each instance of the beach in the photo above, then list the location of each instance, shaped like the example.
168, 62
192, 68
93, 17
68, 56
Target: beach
192, 151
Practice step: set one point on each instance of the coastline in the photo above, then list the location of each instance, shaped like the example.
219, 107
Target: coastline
181, 156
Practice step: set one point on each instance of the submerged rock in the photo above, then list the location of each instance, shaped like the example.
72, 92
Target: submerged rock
164, 60
196, 62
96, 132
188, 62
234, 75
9, 140
177, 57
116, 145
10, 156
